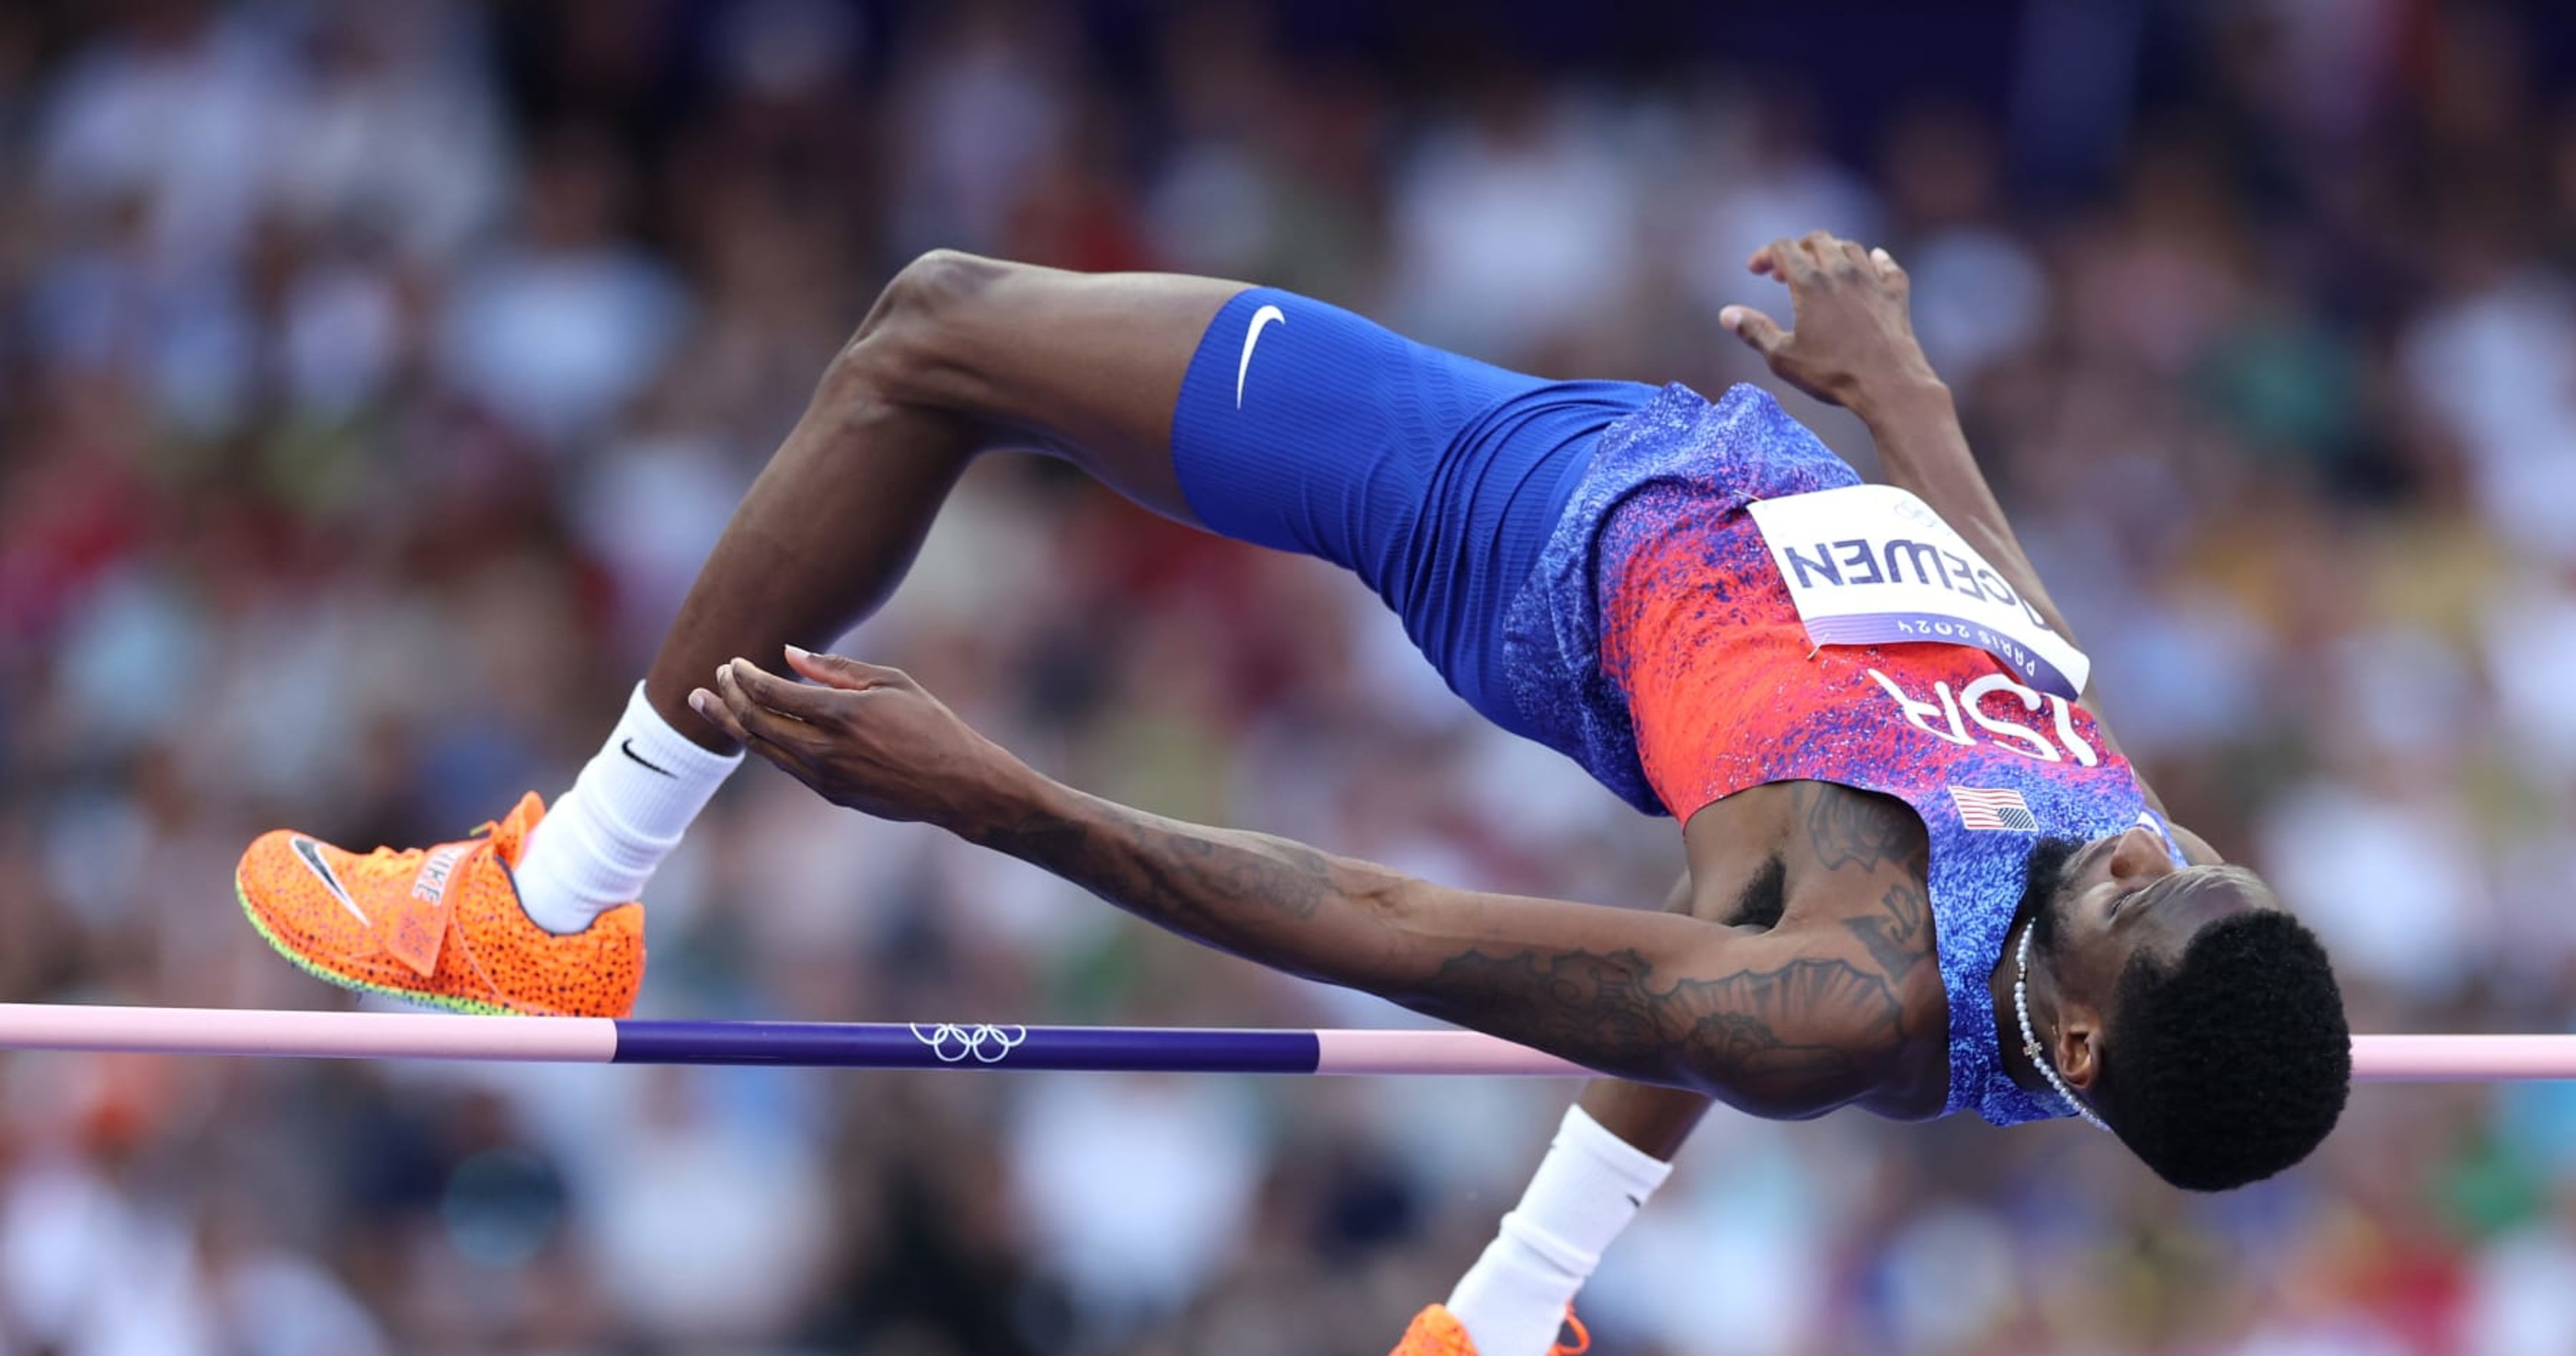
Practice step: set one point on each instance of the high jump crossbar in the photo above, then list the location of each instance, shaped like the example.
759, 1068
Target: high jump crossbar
984, 1045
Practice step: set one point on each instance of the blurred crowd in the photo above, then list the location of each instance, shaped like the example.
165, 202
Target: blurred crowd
373, 377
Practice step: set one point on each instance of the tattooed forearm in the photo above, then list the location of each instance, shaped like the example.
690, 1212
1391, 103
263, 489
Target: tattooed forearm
1658, 997
1225, 887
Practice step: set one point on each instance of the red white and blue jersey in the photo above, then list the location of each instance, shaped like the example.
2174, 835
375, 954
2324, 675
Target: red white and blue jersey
1658, 645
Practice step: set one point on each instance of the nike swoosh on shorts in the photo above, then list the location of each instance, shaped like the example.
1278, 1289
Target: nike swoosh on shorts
1264, 316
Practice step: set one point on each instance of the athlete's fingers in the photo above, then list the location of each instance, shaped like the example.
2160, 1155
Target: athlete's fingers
719, 713
749, 713
1759, 331
1858, 256
1822, 247
1889, 269
1789, 263
783, 695
841, 671
1762, 264
791, 735
712, 708
1803, 259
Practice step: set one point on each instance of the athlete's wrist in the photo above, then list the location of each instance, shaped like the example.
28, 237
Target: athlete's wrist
1900, 397
1010, 801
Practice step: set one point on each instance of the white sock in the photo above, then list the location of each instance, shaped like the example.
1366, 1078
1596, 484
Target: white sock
1586, 1190
598, 844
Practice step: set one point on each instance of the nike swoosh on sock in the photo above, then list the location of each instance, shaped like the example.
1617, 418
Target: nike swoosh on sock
627, 747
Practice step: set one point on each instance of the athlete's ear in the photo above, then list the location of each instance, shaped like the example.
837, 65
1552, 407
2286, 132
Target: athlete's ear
2076, 1049
832, 670
1759, 332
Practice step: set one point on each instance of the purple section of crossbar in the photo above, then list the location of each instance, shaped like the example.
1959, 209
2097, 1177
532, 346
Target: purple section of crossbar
966, 1045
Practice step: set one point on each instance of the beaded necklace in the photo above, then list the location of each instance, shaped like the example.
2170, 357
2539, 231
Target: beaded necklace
2030, 1038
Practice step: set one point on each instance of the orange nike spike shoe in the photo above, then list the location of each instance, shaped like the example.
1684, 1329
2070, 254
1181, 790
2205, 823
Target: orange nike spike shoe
439, 925
1437, 1332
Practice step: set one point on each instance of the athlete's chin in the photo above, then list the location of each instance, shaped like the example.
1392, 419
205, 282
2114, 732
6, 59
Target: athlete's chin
2051, 886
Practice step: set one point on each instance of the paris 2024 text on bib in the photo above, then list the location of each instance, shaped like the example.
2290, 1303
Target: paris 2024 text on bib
1874, 565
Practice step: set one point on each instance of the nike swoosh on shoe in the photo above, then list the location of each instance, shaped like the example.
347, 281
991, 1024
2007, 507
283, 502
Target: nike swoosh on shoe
306, 849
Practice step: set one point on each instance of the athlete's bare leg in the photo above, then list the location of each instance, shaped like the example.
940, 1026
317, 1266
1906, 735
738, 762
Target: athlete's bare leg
960, 355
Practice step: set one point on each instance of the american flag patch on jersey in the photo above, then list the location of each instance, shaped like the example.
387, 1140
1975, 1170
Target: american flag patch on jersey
1998, 809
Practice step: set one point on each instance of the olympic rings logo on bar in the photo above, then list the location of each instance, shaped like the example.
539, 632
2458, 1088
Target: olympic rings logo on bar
984, 1043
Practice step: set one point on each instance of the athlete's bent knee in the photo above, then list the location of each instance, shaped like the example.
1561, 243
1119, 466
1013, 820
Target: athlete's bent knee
911, 346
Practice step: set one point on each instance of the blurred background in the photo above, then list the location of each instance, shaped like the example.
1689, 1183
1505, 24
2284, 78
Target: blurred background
373, 377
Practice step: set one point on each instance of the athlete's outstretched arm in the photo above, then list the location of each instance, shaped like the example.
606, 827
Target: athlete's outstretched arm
1853, 344
1778, 1027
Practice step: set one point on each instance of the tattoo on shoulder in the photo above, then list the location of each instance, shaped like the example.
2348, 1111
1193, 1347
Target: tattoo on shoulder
1898, 935
1852, 828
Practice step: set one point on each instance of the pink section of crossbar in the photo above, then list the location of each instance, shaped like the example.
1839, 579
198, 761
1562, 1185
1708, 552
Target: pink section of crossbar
1433, 1052
2462, 1059
329, 1035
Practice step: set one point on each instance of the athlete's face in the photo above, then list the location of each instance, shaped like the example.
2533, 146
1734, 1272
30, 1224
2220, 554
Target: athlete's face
2120, 897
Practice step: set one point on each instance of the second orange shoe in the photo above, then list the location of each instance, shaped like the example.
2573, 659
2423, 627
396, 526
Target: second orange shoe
439, 925
1437, 1332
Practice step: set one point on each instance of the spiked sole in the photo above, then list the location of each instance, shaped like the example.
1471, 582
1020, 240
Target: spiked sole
329, 976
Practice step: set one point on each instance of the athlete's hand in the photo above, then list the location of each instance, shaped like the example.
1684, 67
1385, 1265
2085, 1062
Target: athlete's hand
1853, 336
862, 736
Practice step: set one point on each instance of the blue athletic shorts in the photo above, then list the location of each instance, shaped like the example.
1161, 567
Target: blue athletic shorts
1436, 478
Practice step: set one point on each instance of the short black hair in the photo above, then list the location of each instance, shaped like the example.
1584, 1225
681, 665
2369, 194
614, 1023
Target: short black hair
2232, 1062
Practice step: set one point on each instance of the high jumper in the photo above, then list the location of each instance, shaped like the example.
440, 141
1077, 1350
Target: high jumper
1921, 877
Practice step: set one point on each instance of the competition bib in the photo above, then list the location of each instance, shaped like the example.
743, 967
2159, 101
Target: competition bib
1874, 565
